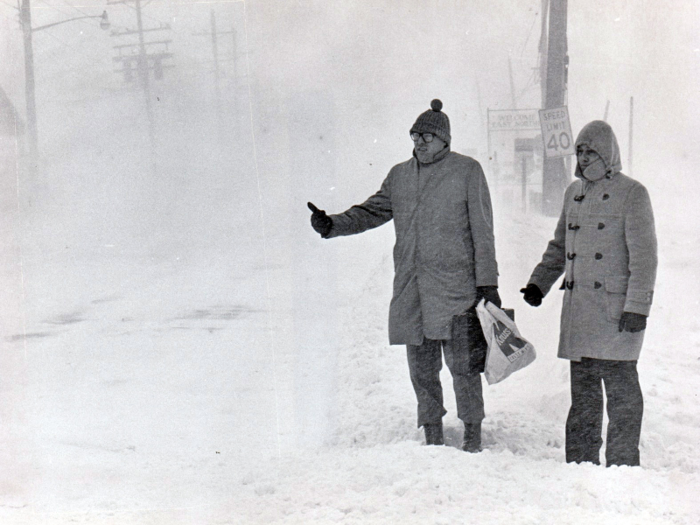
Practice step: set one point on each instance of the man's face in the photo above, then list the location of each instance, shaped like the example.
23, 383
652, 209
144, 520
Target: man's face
586, 156
427, 149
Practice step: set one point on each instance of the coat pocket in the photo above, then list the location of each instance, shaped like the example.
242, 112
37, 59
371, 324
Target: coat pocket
616, 295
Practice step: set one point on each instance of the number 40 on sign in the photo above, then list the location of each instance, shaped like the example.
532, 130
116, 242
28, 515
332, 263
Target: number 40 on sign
556, 132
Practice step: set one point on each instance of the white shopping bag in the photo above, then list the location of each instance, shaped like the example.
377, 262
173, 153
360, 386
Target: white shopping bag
507, 350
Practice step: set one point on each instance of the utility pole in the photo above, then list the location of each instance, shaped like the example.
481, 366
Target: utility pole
29, 85
512, 85
214, 34
143, 65
25, 16
555, 177
631, 137
145, 77
544, 43
217, 76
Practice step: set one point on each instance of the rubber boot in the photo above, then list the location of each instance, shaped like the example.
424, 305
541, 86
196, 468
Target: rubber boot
472, 437
433, 434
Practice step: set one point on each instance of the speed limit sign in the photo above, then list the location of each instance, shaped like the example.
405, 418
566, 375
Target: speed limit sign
556, 132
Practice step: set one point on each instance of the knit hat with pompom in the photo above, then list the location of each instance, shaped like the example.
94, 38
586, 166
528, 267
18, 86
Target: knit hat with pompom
433, 121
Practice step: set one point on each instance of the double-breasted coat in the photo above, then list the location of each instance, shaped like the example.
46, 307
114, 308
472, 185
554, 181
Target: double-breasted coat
605, 244
444, 241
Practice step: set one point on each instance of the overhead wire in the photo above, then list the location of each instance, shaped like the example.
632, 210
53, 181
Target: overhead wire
522, 50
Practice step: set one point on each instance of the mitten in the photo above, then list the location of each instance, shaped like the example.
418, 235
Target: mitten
320, 222
532, 294
488, 293
631, 322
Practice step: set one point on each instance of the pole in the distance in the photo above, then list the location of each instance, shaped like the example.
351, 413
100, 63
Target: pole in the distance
631, 133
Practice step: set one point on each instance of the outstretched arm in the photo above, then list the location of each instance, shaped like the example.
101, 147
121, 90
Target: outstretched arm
374, 212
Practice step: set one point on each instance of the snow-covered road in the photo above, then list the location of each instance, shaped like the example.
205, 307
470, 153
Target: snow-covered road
252, 382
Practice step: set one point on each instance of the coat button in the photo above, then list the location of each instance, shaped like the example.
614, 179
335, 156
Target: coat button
570, 256
570, 285
606, 197
597, 285
601, 225
599, 256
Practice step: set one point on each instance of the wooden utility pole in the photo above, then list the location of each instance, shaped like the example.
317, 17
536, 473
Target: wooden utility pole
217, 74
555, 177
143, 62
629, 161
544, 9
145, 77
217, 69
25, 17
512, 85
29, 85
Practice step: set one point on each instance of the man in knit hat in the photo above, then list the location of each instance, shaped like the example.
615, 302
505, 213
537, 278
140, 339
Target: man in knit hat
444, 260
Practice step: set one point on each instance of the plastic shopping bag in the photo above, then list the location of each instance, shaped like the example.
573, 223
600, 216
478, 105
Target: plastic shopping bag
507, 350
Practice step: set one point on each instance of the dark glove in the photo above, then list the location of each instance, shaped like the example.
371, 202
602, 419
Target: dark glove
631, 322
488, 293
320, 222
532, 294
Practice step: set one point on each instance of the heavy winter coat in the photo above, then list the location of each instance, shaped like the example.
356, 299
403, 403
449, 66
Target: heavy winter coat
444, 241
605, 243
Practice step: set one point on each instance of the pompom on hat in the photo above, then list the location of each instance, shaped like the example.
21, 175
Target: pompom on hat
433, 121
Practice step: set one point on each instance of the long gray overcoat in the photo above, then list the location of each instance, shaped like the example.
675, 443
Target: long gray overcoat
444, 241
605, 244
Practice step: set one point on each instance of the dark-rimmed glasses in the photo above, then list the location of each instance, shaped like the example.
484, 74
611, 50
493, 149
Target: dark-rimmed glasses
427, 137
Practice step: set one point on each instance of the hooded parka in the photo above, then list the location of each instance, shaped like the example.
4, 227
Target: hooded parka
605, 244
444, 241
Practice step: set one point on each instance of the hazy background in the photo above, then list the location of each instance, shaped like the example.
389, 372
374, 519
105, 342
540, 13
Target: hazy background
317, 98
167, 308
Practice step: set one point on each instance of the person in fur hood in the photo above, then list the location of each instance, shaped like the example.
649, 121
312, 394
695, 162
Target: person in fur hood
605, 245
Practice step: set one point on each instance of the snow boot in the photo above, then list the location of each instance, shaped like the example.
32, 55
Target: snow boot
472, 437
433, 434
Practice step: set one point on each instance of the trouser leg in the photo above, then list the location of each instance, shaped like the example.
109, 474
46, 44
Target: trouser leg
424, 364
625, 409
467, 386
585, 421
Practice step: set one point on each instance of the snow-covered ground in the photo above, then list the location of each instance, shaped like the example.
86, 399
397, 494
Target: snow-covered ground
177, 346
245, 377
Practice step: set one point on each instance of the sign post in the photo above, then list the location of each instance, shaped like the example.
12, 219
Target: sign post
508, 123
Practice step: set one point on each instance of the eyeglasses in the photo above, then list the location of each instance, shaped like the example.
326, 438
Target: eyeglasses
427, 137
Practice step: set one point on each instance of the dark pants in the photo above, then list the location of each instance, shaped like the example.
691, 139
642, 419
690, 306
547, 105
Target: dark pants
625, 407
425, 363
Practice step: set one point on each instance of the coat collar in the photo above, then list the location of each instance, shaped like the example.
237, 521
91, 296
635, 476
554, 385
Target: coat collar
438, 156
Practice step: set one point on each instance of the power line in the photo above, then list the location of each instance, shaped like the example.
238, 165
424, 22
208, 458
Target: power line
64, 13
528, 34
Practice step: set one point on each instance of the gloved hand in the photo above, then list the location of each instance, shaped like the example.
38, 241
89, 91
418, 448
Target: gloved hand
532, 294
488, 293
631, 322
320, 222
